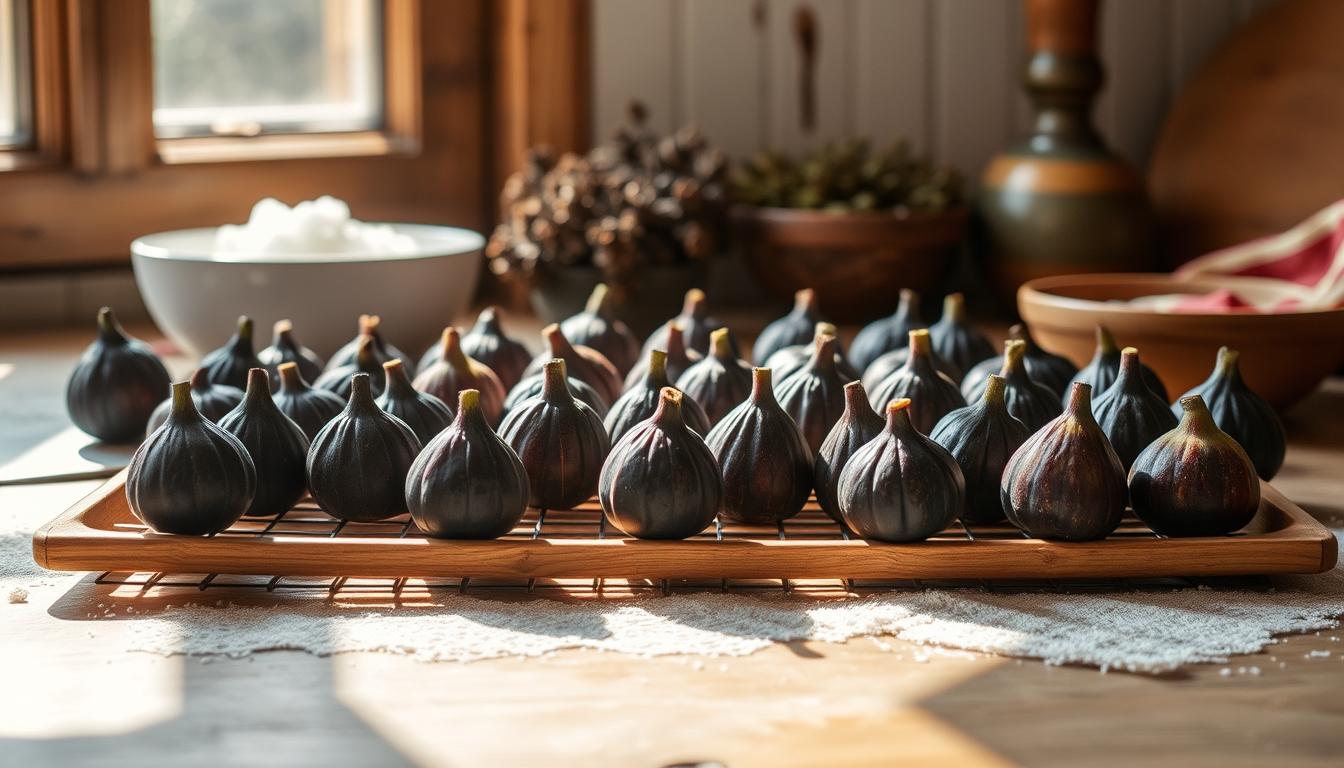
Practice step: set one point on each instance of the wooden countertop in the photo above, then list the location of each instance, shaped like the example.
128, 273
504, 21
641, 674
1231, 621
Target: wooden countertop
70, 698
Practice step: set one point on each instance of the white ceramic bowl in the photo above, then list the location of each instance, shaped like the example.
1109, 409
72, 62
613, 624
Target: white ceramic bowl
196, 298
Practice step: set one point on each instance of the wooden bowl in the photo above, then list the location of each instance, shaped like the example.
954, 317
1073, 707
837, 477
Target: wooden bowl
1284, 355
856, 261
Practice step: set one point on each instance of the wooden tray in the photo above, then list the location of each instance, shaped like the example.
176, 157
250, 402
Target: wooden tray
100, 534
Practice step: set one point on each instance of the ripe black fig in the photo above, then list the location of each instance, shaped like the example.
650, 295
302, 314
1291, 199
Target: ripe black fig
337, 378
889, 333
902, 486
1066, 482
370, 325
1129, 413
814, 397
455, 372
561, 442
891, 362
467, 483
310, 408
788, 360
640, 402
678, 359
796, 327
596, 327
661, 481
230, 363
286, 349
357, 464
190, 477
487, 344
932, 394
955, 339
858, 426
719, 382
1031, 403
696, 326
531, 387
763, 458
116, 384
424, 413
982, 437
211, 400
1101, 372
276, 444
1241, 413
583, 363
1195, 480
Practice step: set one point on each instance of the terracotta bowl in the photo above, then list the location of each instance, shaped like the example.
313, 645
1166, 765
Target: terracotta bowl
857, 262
1284, 355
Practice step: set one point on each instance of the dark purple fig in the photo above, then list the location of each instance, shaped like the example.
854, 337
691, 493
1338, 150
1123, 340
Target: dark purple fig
857, 426
982, 437
887, 334
310, 408
467, 483
455, 372
1129, 413
597, 328
1066, 482
902, 486
211, 400
763, 458
277, 446
679, 358
696, 326
720, 382
357, 464
1030, 403
796, 327
661, 481
230, 363
1194, 480
116, 384
932, 394
190, 477
531, 387
788, 360
891, 362
286, 349
1104, 367
1241, 413
424, 413
1044, 368
487, 344
640, 402
814, 396
561, 442
955, 339
583, 363
370, 325
337, 378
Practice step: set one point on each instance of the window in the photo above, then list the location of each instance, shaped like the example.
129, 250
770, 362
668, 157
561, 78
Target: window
222, 67
15, 76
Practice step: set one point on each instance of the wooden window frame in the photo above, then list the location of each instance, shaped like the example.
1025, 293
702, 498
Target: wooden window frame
47, 148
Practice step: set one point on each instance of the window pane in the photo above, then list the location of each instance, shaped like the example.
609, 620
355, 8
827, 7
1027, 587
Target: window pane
266, 66
15, 90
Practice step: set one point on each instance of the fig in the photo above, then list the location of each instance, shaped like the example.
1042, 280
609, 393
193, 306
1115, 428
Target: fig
1031, 403
1129, 413
814, 396
190, 477
794, 328
211, 400
932, 394
955, 339
763, 458
560, 440
719, 382
1100, 373
487, 344
357, 464
640, 402
1195, 480
1241, 413
661, 481
424, 413
116, 384
901, 486
1066, 482
531, 387
467, 483
982, 437
887, 334
678, 359
583, 363
858, 426
696, 326
893, 361
230, 363
455, 372
788, 360
286, 349
336, 379
277, 446
310, 408
370, 325
1044, 368
597, 328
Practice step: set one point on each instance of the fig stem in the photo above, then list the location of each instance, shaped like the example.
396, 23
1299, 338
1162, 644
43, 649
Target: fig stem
1105, 341
554, 385
805, 301
200, 379
720, 345
555, 339
368, 324
290, 379
245, 329
184, 407
282, 329
995, 386
920, 345
761, 390
898, 414
954, 308
364, 352
258, 384
669, 408
398, 382
597, 301
1129, 365
676, 340
488, 320
1012, 357
1080, 399
1022, 333
468, 400
1196, 417
908, 305
693, 305
109, 330
361, 390
823, 353
1229, 362
452, 349
856, 398
824, 328
657, 373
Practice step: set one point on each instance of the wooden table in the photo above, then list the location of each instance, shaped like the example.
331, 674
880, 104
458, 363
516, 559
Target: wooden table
67, 697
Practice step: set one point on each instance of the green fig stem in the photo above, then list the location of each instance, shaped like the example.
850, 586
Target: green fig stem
669, 408
361, 390
805, 302
1105, 341
898, 415
1229, 363
555, 382
183, 407
761, 389
258, 385
694, 305
1013, 350
290, 378
720, 345
1080, 400
109, 330
1196, 418
954, 309
995, 387
200, 379
597, 301
398, 383
245, 330
856, 399
657, 373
